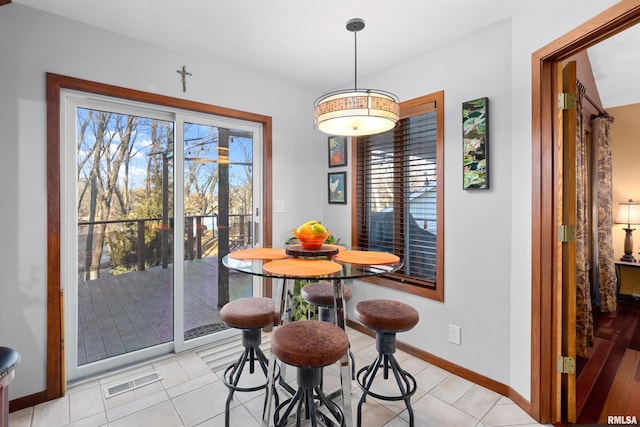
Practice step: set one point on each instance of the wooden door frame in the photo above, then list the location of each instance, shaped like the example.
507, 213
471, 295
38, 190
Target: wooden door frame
55, 83
546, 177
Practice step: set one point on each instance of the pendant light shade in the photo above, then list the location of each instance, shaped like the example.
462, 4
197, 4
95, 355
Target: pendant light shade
354, 112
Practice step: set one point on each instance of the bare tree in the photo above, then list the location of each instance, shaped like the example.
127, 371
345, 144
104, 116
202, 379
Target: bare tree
101, 156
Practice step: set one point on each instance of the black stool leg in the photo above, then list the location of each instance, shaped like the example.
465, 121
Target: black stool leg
251, 339
368, 374
386, 346
309, 380
233, 383
291, 404
403, 378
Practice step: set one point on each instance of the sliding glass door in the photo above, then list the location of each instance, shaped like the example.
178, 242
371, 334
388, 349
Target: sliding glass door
151, 200
219, 215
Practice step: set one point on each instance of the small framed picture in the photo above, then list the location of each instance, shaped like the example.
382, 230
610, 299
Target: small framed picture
337, 151
337, 187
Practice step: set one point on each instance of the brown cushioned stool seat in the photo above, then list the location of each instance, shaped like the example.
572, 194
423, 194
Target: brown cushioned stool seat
321, 293
250, 315
309, 345
386, 315
247, 313
386, 318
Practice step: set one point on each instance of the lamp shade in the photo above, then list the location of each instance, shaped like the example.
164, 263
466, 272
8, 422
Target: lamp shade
628, 213
356, 112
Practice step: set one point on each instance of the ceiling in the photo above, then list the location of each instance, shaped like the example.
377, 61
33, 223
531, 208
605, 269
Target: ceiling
615, 63
307, 42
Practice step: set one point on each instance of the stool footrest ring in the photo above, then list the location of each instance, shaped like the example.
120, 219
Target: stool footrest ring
406, 383
234, 371
407, 379
306, 396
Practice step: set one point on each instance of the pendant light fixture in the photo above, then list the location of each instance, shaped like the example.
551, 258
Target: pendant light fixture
354, 112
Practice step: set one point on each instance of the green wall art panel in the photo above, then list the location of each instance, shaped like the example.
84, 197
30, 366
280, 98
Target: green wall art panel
475, 131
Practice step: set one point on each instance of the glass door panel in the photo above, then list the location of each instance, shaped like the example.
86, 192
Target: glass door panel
131, 202
125, 287
218, 205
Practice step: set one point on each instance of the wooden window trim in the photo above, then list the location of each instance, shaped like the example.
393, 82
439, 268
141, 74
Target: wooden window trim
55, 83
410, 108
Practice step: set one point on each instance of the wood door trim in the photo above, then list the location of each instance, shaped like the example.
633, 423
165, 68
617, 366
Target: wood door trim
568, 206
55, 345
54, 84
544, 277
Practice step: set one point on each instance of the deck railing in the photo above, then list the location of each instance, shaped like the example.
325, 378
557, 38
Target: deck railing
195, 227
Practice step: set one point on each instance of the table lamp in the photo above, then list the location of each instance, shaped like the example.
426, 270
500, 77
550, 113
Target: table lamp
628, 213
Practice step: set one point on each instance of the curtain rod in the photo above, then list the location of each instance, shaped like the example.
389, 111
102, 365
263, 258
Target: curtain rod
601, 111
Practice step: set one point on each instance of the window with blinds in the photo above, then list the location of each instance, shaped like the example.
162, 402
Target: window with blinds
399, 195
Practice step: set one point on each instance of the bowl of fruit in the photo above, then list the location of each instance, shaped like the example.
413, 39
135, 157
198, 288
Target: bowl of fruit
311, 235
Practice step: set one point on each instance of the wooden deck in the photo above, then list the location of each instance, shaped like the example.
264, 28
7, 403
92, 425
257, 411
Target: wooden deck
131, 311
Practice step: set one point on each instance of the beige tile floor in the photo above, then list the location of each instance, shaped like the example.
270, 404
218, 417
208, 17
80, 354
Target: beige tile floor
191, 393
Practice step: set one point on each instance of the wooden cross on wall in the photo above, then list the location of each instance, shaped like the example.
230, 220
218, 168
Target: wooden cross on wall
184, 75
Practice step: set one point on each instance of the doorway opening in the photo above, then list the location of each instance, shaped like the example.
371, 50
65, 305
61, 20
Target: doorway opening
546, 386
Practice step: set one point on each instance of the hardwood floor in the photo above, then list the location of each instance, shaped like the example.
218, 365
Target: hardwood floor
608, 381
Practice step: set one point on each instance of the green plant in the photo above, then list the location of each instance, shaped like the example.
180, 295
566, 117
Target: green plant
302, 309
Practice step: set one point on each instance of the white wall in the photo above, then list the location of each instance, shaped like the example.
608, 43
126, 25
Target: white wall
477, 222
33, 43
487, 233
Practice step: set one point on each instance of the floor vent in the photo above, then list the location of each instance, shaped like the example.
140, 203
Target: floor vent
225, 352
131, 384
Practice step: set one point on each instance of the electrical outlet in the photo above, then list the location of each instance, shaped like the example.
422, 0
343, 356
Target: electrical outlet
454, 334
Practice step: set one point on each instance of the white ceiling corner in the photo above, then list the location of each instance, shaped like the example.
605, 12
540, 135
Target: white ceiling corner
307, 43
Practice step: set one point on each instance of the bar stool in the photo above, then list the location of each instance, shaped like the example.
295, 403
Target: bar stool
321, 295
250, 315
386, 318
309, 345
9, 358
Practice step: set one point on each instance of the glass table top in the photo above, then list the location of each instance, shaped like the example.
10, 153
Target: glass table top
330, 262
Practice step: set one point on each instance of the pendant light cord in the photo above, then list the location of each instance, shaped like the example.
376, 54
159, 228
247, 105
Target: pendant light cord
355, 67
355, 25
